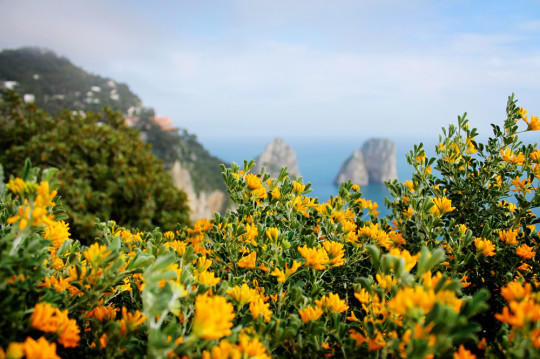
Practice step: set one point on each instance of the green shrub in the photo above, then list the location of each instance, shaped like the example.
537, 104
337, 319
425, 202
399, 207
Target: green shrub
444, 275
105, 171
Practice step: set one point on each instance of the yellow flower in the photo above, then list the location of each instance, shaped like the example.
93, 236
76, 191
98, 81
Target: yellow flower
39, 349
213, 317
409, 298
410, 185
511, 207
276, 193
385, 281
470, 146
102, 313
130, 321
509, 236
168, 235
521, 186
23, 215
332, 303
203, 263
251, 348
17, 185
410, 261
177, 246
484, 246
355, 188
442, 205
519, 313
45, 318
208, 278
535, 156
272, 234
316, 258
362, 296
283, 276
257, 306
301, 204
298, 188
525, 252
463, 353
519, 159
248, 261
96, 254
335, 253
506, 155
310, 313
253, 182
52, 320
279, 274
516, 291
57, 233
202, 225
243, 295
533, 125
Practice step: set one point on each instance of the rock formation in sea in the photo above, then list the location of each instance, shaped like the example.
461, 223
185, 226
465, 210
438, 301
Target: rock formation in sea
374, 163
276, 156
353, 169
202, 204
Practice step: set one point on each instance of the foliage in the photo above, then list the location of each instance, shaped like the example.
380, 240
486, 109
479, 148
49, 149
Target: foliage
286, 276
105, 170
171, 146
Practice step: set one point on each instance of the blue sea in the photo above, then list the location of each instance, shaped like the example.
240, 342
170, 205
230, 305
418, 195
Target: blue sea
320, 159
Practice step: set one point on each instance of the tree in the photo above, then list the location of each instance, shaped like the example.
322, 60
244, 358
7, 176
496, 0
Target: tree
106, 171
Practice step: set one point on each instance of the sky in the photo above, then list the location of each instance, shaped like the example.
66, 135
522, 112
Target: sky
314, 69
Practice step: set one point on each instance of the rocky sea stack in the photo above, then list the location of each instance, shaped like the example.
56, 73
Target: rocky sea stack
374, 163
276, 156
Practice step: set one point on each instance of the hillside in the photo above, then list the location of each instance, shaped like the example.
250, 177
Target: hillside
58, 84
55, 84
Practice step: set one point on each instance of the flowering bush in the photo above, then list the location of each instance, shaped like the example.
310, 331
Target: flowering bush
451, 272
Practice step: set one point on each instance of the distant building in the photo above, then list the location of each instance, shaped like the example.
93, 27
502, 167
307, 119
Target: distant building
10, 84
28, 98
131, 121
164, 122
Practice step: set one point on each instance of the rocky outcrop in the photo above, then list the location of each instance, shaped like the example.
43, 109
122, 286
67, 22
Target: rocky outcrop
353, 169
202, 204
380, 158
374, 163
276, 156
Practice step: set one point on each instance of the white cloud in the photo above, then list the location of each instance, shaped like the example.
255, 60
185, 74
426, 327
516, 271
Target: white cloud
301, 66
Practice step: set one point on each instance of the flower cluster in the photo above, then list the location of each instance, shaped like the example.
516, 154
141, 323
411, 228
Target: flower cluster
451, 271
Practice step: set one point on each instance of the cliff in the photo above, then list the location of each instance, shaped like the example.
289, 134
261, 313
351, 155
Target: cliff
203, 204
374, 163
276, 156
353, 169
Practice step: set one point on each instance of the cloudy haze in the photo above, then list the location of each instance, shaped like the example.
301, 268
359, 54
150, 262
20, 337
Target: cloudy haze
310, 68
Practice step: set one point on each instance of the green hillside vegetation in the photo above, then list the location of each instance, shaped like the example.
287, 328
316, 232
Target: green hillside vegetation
182, 146
57, 85
106, 171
